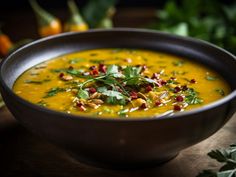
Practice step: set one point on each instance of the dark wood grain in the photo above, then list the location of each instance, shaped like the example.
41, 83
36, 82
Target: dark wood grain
23, 154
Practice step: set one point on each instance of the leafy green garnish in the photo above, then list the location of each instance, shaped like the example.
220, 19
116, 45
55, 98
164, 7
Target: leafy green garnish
75, 72
42, 103
83, 94
58, 70
53, 92
113, 100
211, 78
111, 93
114, 78
37, 82
220, 91
172, 81
132, 75
192, 97
131, 71
112, 70
113, 96
101, 89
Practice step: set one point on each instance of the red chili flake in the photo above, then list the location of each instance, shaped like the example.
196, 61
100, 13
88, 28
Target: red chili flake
61, 75
172, 78
92, 67
179, 98
143, 106
92, 90
120, 90
133, 95
80, 106
184, 87
148, 88
94, 72
71, 67
193, 81
158, 103
163, 82
177, 108
177, 89
102, 68
155, 76
158, 84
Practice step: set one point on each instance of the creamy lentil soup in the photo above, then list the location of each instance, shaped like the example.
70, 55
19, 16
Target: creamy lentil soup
120, 83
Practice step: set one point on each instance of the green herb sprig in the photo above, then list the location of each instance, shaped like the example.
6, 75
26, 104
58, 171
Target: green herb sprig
192, 97
113, 78
225, 156
53, 92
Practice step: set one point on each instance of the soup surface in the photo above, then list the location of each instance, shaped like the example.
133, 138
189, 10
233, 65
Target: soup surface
120, 83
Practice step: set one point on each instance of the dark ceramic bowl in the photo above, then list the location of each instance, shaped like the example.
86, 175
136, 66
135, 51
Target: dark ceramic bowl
129, 142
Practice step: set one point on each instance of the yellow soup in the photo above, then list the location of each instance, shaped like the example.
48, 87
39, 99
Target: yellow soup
120, 83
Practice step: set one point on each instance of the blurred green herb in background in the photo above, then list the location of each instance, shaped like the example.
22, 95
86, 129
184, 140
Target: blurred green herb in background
99, 12
209, 20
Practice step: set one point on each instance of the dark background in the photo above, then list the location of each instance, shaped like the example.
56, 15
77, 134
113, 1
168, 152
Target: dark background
18, 20
16, 4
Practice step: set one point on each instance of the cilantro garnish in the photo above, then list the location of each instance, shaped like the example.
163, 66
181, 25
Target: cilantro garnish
192, 97
220, 91
53, 92
211, 78
37, 81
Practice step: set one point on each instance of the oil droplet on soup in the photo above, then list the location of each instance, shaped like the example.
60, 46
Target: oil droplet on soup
120, 83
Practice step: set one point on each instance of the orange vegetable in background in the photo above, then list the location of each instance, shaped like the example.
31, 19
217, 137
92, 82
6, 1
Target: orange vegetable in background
5, 44
76, 21
47, 23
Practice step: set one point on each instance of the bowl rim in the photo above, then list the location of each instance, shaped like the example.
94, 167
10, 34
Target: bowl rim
160, 117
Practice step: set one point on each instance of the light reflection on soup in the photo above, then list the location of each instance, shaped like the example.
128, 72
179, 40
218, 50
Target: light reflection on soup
120, 83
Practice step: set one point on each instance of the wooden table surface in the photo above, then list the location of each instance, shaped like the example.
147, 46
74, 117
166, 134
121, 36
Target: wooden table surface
23, 154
